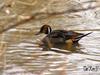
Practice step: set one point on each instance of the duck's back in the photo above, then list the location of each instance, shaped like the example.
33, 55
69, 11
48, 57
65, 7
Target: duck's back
60, 36
64, 34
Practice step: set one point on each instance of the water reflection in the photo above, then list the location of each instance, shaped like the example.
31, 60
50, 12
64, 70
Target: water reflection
27, 57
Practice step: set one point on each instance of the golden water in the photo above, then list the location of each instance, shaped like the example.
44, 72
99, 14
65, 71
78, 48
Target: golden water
20, 53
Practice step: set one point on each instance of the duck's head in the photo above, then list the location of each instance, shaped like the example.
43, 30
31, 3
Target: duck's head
46, 29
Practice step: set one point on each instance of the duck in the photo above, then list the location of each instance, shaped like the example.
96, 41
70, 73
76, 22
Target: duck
62, 39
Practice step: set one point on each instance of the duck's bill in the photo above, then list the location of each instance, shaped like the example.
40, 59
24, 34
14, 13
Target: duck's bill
38, 33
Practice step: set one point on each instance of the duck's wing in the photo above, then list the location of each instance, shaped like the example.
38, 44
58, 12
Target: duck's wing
65, 34
57, 36
75, 36
72, 34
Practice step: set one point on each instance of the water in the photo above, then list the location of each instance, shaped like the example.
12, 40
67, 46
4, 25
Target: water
20, 53
24, 56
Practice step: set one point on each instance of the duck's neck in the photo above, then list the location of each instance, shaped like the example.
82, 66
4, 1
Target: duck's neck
49, 30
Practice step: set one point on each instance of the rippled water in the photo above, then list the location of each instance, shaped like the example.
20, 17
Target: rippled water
20, 53
25, 56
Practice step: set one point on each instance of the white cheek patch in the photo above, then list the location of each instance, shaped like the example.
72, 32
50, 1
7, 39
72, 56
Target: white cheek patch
49, 30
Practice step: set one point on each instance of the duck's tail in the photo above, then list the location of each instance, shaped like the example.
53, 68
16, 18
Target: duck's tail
81, 36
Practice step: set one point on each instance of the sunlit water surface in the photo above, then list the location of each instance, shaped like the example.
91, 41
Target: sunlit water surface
20, 53
25, 57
